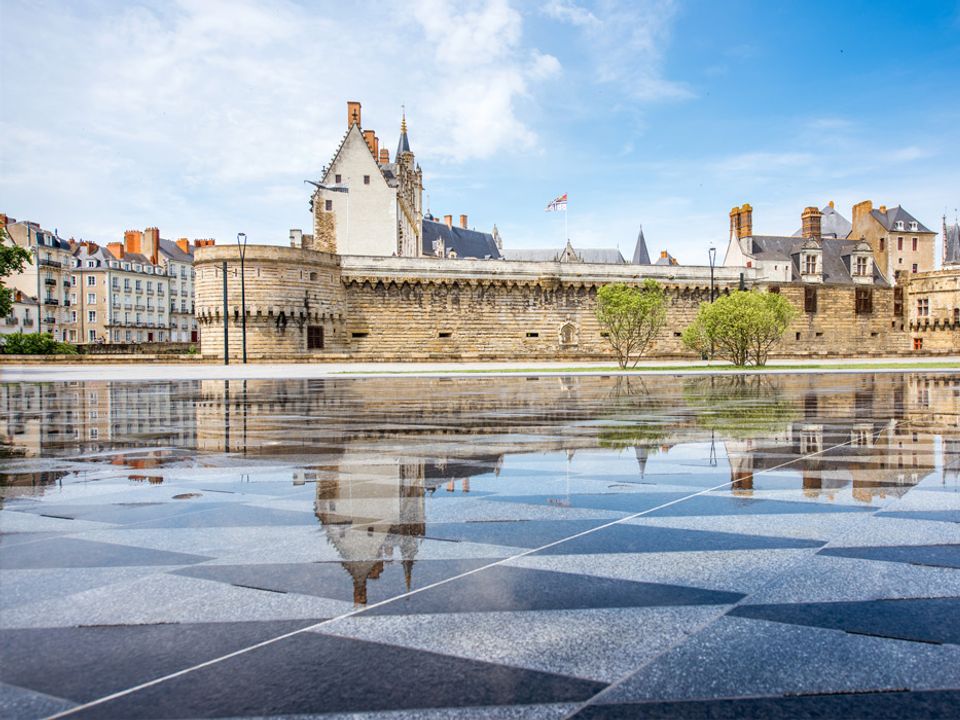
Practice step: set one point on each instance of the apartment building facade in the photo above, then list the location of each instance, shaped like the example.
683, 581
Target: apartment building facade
44, 283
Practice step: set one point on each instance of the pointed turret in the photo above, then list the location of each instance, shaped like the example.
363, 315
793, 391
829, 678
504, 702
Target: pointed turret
640, 254
404, 144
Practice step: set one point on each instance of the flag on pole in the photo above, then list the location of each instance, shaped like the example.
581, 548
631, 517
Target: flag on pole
558, 204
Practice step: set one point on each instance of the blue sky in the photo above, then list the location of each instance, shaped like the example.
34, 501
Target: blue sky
204, 118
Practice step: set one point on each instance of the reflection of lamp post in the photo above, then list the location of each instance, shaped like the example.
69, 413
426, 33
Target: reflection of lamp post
226, 325
243, 293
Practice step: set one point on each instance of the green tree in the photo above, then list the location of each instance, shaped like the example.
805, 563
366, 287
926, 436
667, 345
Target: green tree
741, 327
12, 259
631, 316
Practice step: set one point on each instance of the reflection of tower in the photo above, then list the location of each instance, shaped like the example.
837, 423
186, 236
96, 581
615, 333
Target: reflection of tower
370, 521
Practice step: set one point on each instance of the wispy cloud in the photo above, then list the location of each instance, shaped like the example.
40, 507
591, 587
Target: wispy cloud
627, 41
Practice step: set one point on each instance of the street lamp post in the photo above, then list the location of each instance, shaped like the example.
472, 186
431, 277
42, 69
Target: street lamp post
243, 294
713, 259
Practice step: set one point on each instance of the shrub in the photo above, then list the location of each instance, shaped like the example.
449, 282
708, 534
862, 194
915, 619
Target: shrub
36, 344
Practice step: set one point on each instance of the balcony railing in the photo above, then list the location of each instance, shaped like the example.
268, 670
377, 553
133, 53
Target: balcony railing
51, 301
49, 263
12, 320
50, 320
66, 303
49, 281
67, 283
28, 322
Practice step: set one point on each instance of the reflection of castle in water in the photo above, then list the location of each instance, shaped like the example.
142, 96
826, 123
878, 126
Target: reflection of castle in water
375, 514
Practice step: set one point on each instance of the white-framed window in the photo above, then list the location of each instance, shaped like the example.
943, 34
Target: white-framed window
899, 224
861, 266
91, 280
91, 316
923, 307
73, 316
809, 264
91, 298
92, 335
914, 226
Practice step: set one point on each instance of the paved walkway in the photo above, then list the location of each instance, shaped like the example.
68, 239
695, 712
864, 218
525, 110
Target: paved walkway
273, 371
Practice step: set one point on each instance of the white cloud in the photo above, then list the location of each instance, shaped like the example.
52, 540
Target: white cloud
568, 11
626, 40
181, 113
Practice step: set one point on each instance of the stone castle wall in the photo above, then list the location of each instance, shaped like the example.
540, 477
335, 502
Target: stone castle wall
441, 309
939, 330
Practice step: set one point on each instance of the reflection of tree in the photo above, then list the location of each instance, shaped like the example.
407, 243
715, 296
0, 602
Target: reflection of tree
740, 406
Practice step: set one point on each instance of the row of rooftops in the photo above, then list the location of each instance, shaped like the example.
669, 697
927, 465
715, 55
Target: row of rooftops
140, 251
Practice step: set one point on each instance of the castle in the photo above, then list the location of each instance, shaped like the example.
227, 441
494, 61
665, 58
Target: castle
380, 279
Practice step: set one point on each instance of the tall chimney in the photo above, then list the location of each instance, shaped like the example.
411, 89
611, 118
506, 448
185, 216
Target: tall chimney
116, 249
860, 210
463, 221
132, 240
746, 220
384, 156
353, 114
151, 244
371, 139
448, 219
735, 222
184, 245
810, 222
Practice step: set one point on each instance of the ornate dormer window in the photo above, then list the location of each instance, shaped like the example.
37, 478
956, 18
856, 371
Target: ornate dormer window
914, 226
899, 224
861, 263
811, 261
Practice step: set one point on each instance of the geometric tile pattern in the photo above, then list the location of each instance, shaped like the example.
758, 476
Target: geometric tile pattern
591, 547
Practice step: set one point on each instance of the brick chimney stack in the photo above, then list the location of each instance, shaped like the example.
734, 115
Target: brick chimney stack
448, 219
810, 222
132, 240
184, 245
463, 221
151, 244
746, 220
735, 222
116, 249
353, 114
373, 142
384, 156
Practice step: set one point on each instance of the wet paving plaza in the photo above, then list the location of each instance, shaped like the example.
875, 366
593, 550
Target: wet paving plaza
725, 546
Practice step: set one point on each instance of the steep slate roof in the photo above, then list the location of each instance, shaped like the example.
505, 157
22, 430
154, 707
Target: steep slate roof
668, 260
173, 251
640, 254
601, 256
465, 243
892, 215
832, 224
836, 256
951, 244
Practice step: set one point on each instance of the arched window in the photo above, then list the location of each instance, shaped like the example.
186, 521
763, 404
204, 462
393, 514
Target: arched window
568, 334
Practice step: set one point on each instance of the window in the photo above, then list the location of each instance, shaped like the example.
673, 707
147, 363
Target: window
864, 301
91, 280
533, 334
899, 224
73, 316
956, 315
810, 299
914, 226
328, 205
137, 284
914, 267
898, 301
918, 343
914, 244
126, 284
366, 179
444, 334
127, 336
313, 276
91, 298
91, 316
883, 244
923, 307
861, 266
809, 264
91, 335
899, 243
337, 179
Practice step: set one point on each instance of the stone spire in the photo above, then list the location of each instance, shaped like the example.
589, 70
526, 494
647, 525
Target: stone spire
404, 144
640, 254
